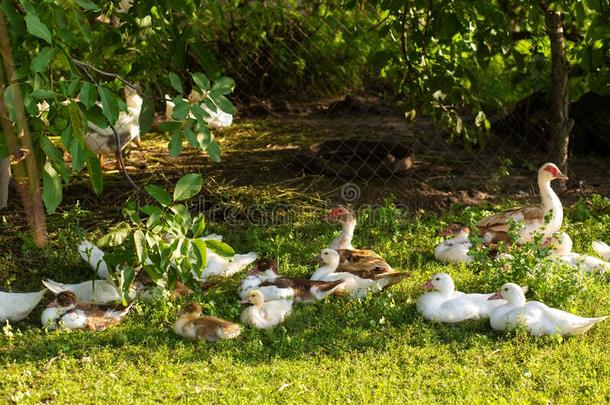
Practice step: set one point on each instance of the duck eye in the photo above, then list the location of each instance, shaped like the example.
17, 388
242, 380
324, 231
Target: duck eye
438, 279
506, 289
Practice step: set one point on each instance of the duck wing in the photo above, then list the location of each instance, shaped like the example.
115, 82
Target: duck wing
498, 225
95, 257
213, 329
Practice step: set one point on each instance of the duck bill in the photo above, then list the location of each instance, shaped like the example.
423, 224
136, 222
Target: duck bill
428, 285
562, 176
496, 296
445, 232
245, 301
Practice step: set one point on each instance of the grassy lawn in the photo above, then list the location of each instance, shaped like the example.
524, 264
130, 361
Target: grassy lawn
378, 349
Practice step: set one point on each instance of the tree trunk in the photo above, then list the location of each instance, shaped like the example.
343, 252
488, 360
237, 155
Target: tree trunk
19, 142
5, 177
561, 124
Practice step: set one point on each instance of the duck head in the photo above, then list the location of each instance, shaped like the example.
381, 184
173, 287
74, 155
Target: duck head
64, 301
263, 265
559, 242
456, 230
441, 282
255, 297
549, 172
329, 257
510, 292
340, 214
191, 310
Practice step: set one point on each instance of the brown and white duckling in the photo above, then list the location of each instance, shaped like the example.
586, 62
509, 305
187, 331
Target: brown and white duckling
495, 228
455, 249
17, 306
301, 290
67, 312
357, 283
264, 315
192, 325
265, 278
264, 269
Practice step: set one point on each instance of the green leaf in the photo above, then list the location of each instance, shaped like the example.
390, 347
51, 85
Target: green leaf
219, 247
159, 194
96, 116
224, 85
201, 81
175, 144
147, 112
198, 225
77, 120
140, 244
131, 211
191, 137
42, 60
181, 109
77, 151
171, 126
214, 151
51, 188
87, 5
38, 28
199, 112
224, 104
88, 95
9, 94
110, 106
94, 168
176, 83
116, 236
188, 186
210, 104
43, 94
55, 156
201, 255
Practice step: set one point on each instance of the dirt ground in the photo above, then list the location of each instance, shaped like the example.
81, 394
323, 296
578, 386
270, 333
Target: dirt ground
258, 168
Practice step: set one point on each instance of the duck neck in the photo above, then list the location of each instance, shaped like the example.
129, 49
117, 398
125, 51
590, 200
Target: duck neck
183, 320
325, 270
518, 301
550, 202
344, 240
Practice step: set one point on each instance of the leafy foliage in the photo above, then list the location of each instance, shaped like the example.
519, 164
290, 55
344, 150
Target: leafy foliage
63, 95
166, 240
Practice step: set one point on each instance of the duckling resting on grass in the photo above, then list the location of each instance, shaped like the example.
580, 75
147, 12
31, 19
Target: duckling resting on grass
65, 311
264, 315
192, 325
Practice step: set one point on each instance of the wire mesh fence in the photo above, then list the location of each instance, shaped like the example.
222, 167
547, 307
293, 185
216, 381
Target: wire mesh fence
315, 114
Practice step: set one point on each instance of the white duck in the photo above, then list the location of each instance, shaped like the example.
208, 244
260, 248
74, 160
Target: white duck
561, 244
65, 311
17, 306
495, 227
535, 316
264, 315
102, 141
98, 291
95, 257
220, 266
454, 250
602, 249
444, 304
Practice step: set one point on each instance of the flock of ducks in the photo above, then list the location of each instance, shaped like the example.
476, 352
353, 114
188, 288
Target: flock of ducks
343, 271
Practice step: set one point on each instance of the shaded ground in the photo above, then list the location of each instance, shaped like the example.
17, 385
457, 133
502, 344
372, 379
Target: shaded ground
258, 169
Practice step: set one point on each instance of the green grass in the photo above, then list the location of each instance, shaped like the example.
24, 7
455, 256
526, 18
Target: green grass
378, 349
